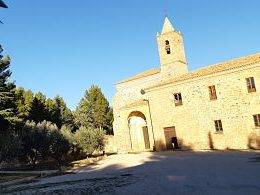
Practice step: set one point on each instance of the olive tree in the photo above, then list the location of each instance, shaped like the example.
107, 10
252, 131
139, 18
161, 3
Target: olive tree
90, 139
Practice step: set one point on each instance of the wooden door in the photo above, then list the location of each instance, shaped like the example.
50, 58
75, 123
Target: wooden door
169, 133
146, 138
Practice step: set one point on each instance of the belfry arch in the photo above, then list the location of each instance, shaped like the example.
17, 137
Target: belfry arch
138, 130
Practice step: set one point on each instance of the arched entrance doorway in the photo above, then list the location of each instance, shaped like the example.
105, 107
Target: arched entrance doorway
138, 131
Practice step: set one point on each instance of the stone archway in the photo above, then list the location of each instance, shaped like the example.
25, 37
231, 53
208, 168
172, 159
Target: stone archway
138, 131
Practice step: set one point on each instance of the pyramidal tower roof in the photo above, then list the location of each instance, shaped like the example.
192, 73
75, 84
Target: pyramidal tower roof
167, 26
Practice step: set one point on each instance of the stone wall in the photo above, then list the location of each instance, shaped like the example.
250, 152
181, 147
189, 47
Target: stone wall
128, 93
194, 120
111, 146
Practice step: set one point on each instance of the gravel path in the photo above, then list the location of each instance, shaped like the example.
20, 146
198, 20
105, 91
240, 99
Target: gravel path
156, 173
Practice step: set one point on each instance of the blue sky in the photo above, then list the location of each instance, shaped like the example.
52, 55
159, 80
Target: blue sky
63, 47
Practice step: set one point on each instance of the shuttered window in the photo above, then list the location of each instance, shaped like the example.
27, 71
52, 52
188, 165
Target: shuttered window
257, 120
218, 126
250, 84
212, 93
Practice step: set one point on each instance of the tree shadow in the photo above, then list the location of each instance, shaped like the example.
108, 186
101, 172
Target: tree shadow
164, 172
254, 142
211, 144
255, 159
161, 146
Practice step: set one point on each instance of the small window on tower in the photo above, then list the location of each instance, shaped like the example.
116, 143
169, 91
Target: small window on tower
167, 47
177, 99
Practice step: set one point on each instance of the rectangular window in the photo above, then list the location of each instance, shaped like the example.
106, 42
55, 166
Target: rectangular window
250, 84
257, 120
212, 92
218, 126
177, 99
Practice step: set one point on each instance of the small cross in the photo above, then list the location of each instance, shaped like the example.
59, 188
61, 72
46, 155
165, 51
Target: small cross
166, 12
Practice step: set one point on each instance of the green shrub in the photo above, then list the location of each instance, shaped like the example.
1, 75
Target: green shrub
90, 139
44, 140
36, 140
10, 146
59, 145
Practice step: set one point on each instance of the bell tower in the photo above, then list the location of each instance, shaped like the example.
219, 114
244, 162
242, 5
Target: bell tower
171, 52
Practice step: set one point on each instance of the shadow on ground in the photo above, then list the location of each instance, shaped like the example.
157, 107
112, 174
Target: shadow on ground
229, 172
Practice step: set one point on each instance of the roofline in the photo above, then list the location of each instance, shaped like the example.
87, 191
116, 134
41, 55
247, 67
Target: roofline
169, 82
132, 79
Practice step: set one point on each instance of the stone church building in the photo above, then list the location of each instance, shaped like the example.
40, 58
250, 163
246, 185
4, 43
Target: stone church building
214, 107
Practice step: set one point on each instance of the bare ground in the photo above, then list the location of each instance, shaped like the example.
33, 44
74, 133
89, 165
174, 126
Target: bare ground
178, 172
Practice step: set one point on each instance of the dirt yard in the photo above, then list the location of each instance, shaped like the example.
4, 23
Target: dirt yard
156, 173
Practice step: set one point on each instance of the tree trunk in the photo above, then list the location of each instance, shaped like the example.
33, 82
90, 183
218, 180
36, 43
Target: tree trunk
35, 159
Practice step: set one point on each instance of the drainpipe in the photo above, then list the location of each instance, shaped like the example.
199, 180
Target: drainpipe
154, 147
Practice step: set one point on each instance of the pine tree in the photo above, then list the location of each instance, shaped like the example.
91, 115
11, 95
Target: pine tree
24, 101
83, 115
110, 120
93, 109
7, 95
66, 116
50, 109
59, 113
38, 111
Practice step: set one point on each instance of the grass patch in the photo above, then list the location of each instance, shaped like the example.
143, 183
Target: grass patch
11, 177
85, 162
54, 165
48, 165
